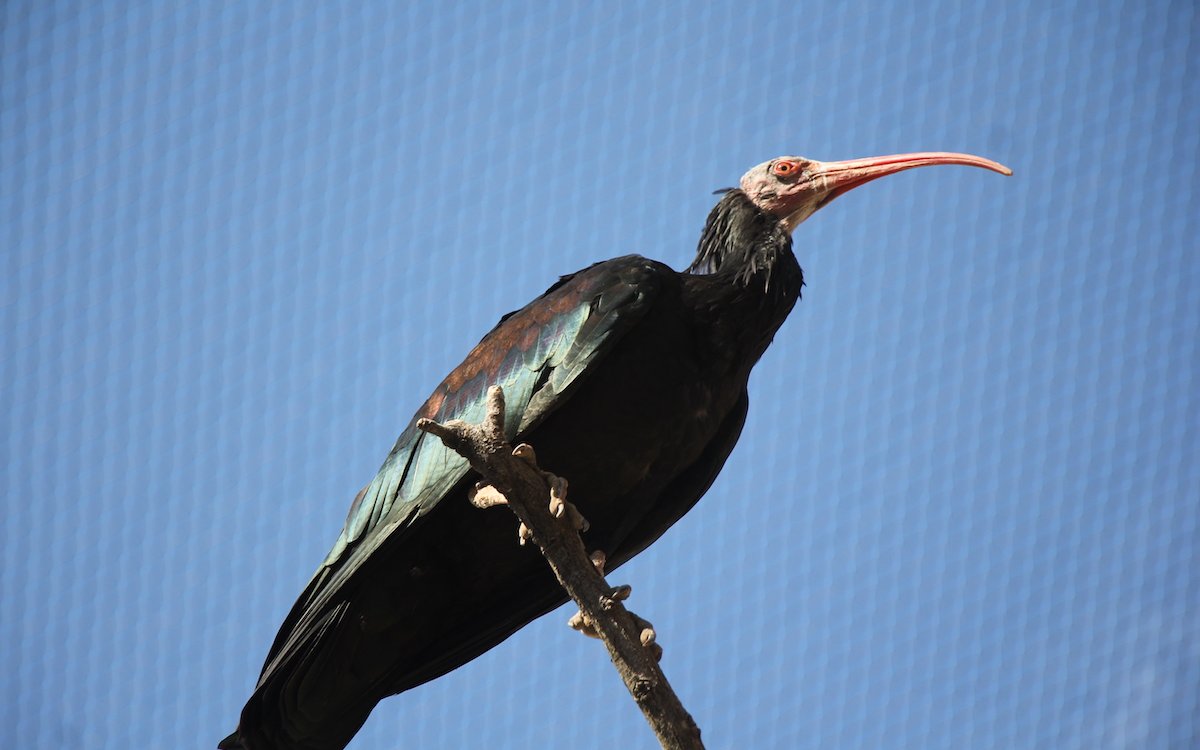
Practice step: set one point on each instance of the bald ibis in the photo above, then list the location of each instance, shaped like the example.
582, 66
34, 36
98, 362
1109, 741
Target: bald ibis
630, 380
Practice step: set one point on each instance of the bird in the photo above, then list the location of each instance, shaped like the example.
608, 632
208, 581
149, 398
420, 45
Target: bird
630, 380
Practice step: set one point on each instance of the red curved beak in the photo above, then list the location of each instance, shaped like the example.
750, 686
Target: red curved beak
834, 178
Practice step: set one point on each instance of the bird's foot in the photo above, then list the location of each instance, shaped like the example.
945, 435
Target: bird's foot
646, 633
581, 622
487, 496
560, 507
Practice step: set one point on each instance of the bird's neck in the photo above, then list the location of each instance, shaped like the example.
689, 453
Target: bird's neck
746, 278
748, 247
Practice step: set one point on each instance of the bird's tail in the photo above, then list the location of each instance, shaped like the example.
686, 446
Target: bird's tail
232, 742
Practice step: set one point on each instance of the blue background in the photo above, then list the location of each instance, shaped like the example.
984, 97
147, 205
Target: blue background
241, 243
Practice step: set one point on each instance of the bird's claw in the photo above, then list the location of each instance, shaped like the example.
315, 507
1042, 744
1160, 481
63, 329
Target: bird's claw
646, 633
581, 622
486, 496
560, 507
525, 452
599, 560
558, 496
647, 636
615, 594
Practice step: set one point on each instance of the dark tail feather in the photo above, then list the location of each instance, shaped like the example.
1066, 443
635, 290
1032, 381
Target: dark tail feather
232, 742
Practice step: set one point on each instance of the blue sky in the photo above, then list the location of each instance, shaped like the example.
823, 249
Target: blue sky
241, 243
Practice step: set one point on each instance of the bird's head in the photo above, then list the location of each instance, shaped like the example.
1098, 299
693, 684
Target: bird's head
794, 188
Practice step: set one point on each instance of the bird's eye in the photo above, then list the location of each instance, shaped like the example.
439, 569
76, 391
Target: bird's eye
785, 168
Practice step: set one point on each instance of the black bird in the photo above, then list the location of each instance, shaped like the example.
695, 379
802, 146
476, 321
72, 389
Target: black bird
630, 380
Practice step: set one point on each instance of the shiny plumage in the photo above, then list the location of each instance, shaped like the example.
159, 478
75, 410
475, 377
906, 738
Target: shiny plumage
630, 380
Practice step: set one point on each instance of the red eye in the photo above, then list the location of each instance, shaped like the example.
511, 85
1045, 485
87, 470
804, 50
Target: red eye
785, 168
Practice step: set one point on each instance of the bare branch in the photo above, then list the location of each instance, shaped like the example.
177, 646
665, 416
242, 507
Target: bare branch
532, 493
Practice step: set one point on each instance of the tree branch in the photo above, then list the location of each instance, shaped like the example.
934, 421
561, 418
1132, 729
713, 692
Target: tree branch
514, 473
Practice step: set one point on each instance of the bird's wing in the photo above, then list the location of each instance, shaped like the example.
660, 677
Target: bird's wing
538, 354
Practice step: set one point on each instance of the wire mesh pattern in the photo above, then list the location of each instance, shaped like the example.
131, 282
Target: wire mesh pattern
241, 243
